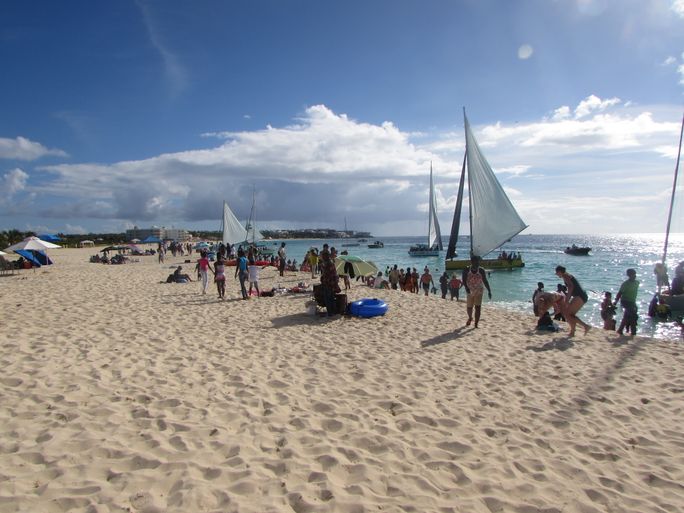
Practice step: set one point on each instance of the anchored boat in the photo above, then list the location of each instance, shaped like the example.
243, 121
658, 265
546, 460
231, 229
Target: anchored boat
493, 218
434, 239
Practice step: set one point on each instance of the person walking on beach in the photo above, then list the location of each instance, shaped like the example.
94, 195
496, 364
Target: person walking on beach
220, 276
282, 255
444, 284
203, 266
575, 299
253, 273
454, 286
241, 272
426, 281
475, 281
627, 296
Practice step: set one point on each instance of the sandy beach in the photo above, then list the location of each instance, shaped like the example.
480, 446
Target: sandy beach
124, 393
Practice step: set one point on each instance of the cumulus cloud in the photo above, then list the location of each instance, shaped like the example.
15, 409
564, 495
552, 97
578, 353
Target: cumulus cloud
592, 104
310, 165
678, 7
326, 166
11, 185
669, 61
21, 148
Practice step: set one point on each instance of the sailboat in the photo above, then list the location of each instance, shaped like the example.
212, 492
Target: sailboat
676, 301
253, 235
233, 231
493, 219
434, 238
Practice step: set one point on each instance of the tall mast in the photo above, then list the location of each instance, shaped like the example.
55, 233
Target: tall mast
470, 202
430, 208
674, 189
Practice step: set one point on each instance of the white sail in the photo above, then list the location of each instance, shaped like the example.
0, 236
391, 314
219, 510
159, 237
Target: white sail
494, 220
434, 233
233, 231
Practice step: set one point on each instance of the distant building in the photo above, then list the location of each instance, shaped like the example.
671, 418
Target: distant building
157, 231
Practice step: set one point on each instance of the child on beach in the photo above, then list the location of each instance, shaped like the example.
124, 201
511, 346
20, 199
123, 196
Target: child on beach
608, 312
203, 269
253, 271
454, 286
627, 296
220, 276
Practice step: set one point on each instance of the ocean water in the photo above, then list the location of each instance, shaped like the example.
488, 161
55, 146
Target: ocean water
603, 270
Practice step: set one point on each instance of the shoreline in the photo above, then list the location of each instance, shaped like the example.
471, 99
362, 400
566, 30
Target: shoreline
124, 392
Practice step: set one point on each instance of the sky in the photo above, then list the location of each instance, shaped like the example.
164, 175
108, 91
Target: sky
125, 113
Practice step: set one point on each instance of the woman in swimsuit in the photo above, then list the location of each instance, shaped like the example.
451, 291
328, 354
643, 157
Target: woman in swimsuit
220, 276
575, 300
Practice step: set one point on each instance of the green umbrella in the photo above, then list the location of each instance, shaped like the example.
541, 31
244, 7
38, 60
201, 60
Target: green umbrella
360, 266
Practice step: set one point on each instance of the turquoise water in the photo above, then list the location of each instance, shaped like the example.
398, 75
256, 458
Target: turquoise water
603, 270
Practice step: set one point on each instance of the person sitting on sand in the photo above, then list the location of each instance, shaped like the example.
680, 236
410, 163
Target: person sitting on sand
380, 282
178, 276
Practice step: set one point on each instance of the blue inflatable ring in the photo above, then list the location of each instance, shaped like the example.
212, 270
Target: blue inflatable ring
368, 307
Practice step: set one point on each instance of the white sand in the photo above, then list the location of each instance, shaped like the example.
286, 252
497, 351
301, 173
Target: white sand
121, 393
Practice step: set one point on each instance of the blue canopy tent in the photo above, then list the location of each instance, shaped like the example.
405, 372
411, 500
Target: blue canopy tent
37, 258
151, 240
50, 237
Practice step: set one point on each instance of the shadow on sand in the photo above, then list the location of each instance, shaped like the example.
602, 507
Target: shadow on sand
445, 337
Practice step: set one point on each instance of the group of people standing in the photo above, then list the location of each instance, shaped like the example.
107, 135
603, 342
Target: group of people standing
571, 297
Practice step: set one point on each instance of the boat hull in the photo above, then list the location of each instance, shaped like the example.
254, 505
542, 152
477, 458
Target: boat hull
577, 251
676, 303
490, 264
426, 253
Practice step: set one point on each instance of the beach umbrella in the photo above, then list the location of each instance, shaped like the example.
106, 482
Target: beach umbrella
151, 240
32, 243
360, 266
2, 253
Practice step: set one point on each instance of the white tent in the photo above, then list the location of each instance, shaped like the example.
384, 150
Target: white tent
86, 243
32, 243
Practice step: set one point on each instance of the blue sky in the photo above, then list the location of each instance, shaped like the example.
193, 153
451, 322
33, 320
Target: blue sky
124, 113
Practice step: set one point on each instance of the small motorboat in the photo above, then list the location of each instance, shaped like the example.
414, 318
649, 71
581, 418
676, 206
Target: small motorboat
376, 245
577, 250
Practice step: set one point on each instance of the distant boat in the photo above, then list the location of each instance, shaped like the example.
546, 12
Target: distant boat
493, 219
376, 245
351, 245
577, 250
363, 240
434, 238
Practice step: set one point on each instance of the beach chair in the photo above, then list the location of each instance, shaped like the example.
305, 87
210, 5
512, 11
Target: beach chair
6, 268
